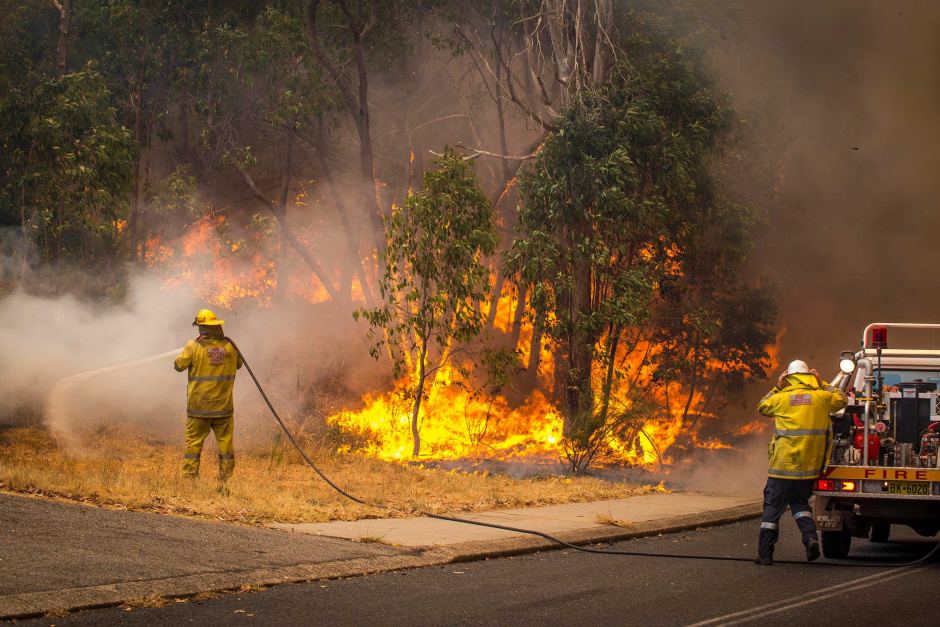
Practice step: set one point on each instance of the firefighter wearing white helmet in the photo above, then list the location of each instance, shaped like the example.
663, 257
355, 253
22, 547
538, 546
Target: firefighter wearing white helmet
800, 405
211, 362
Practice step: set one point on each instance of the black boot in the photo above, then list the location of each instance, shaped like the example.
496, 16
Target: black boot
765, 547
812, 551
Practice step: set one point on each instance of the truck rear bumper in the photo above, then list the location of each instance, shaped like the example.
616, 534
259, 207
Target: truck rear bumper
858, 511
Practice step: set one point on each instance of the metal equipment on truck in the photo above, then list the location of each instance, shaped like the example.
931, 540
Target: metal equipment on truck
883, 467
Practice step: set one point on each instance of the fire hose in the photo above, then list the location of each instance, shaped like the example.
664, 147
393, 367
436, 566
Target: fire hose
533, 532
59, 389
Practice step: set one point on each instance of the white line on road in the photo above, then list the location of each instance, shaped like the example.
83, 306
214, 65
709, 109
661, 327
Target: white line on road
814, 596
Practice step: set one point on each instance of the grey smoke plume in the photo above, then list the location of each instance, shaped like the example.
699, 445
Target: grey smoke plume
839, 100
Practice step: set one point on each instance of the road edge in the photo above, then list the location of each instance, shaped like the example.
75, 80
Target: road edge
39, 604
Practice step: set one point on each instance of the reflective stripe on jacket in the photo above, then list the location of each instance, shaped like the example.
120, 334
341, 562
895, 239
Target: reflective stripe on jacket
211, 363
800, 410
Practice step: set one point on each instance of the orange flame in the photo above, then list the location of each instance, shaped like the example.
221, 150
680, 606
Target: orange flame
454, 422
224, 271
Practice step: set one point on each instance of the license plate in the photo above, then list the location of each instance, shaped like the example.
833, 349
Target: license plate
828, 522
910, 488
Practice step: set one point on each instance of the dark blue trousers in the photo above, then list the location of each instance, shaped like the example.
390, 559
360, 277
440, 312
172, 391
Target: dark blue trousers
778, 494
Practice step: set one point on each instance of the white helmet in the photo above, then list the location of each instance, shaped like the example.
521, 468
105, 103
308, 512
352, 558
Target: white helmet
798, 366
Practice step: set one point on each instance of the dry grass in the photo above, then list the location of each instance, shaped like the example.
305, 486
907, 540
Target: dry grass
126, 472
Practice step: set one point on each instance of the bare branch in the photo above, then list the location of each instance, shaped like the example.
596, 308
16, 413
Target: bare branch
478, 152
411, 129
287, 233
480, 60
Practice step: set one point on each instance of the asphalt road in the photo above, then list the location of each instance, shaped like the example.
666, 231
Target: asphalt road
574, 588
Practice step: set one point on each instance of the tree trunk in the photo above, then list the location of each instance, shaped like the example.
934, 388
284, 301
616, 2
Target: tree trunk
518, 313
419, 393
578, 381
133, 224
578, 392
601, 62
693, 383
613, 342
494, 299
535, 354
500, 117
356, 100
143, 226
280, 214
61, 52
351, 236
367, 162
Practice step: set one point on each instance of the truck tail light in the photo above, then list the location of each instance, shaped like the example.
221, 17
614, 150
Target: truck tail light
826, 485
848, 486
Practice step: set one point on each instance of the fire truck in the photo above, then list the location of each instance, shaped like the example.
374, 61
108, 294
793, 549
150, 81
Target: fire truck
883, 466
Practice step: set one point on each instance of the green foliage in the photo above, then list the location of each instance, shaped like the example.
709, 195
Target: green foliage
27, 38
385, 44
66, 162
435, 272
254, 81
176, 197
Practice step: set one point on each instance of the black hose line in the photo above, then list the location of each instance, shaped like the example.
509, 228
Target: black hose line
532, 532
287, 432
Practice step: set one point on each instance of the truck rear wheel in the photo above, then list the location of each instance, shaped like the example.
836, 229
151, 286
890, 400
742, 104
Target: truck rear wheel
836, 544
880, 532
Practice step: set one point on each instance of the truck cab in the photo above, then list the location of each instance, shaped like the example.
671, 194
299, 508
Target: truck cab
883, 467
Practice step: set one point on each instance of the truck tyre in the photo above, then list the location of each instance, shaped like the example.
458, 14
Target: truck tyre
880, 532
836, 544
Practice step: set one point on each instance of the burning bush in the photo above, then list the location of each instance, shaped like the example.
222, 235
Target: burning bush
435, 275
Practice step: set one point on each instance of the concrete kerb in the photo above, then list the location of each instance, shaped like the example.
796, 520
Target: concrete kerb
37, 604
602, 534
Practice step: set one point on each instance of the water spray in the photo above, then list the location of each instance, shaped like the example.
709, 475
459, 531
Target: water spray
55, 403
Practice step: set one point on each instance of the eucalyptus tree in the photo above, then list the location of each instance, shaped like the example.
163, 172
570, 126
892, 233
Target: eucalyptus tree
259, 94
615, 211
534, 58
436, 244
351, 39
66, 166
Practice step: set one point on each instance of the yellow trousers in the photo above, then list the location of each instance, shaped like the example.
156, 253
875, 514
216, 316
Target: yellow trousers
197, 430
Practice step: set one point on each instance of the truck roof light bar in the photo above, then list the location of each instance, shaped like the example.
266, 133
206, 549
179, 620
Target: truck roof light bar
884, 326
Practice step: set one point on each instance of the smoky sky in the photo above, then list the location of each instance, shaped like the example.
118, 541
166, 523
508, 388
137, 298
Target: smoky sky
840, 101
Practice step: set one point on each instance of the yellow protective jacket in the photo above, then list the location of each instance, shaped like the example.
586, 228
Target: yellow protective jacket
211, 363
802, 429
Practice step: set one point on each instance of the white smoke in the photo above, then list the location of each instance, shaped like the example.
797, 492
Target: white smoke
46, 340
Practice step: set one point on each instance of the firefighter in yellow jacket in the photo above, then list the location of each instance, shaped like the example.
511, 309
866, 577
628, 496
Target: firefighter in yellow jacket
211, 362
800, 405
